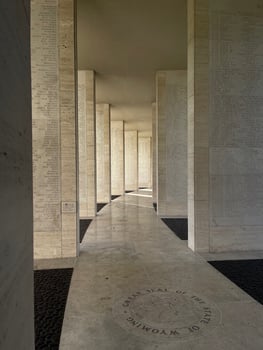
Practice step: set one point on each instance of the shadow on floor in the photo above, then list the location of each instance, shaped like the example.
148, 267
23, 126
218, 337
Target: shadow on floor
179, 226
50, 296
246, 274
83, 226
114, 197
100, 206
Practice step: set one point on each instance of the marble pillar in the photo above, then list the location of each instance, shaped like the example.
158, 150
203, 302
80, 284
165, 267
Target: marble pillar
54, 129
87, 144
103, 153
225, 145
145, 161
16, 208
154, 153
172, 143
117, 158
131, 160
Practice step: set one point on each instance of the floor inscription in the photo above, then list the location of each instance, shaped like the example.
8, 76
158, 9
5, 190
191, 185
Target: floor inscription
165, 314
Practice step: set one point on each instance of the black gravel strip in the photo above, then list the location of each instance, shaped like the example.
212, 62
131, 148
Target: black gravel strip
179, 226
51, 291
100, 206
114, 197
83, 226
246, 274
155, 206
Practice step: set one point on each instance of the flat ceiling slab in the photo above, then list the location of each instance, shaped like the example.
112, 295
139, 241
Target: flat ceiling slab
126, 42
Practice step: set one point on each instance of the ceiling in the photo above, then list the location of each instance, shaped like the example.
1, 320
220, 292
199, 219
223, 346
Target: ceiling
126, 42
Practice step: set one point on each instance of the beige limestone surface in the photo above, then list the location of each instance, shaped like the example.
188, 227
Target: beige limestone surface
87, 144
117, 158
154, 152
145, 162
54, 131
131, 160
103, 153
171, 112
225, 80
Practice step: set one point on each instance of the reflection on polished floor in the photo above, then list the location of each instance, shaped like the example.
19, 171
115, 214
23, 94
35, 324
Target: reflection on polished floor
137, 286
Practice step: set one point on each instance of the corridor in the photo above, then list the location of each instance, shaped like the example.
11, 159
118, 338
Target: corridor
136, 286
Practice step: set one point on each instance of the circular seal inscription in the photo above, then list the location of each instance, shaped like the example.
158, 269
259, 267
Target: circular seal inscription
165, 314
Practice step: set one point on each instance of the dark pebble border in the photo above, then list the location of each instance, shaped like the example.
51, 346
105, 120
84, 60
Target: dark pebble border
51, 291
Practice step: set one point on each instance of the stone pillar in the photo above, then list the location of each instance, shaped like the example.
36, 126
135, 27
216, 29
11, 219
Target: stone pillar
16, 214
154, 154
172, 143
131, 160
145, 162
103, 153
225, 98
54, 142
117, 158
87, 144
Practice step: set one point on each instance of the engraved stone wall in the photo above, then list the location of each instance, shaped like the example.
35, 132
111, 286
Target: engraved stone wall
16, 214
53, 120
67, 106
87, 143
225, 79
46, 118
154, 153
82, 141
131, 160
145, 161
198, 108
117, 158
103, 153
172, 143
236, 125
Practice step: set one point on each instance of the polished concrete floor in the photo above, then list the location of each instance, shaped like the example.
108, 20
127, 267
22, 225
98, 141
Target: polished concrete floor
136, 286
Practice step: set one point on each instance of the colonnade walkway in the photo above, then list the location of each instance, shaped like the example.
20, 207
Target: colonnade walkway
136, 286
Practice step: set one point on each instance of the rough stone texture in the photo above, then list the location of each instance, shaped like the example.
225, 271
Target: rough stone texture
87, 143
54, 151
131, 160
117, 158
103, 153
16, 246
154, 153
225, 98
145, 162
172, 143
